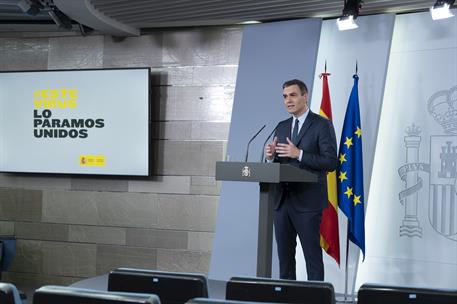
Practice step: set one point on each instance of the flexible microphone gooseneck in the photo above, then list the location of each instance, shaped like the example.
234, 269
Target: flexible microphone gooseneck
262, 158
247, 149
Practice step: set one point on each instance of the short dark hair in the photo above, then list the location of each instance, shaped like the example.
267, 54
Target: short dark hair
301, 85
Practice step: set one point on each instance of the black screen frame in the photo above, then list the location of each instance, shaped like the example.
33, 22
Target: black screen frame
149, 174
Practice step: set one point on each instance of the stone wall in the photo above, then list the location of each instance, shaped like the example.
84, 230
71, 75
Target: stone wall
70, 228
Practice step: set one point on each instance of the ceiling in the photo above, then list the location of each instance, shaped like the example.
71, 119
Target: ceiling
130, 17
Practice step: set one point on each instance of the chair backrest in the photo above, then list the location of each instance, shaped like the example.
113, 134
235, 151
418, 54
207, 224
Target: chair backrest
381, 294
279, 291
8, 251
164, 284
218, 301
71, 295
9, 294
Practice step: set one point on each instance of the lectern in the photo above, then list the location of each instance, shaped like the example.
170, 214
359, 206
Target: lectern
265, 174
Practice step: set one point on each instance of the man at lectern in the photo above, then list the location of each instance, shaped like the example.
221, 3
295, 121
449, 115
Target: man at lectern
307, 141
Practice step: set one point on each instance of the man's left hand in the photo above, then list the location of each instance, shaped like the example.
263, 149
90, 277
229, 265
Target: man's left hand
287, 150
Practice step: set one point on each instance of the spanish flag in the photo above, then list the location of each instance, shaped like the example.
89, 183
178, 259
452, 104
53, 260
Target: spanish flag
330, 241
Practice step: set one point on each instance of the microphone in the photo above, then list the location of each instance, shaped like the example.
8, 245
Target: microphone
247, 149
262, 158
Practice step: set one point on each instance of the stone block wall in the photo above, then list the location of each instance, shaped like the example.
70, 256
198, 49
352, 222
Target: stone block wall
69, 228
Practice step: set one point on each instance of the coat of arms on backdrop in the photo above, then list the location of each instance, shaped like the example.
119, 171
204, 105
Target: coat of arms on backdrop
442, 170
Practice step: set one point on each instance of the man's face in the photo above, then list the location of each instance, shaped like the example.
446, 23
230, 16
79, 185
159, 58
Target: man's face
295, 102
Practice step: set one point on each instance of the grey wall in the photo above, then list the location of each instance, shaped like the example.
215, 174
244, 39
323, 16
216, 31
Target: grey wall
71, 228
271, 53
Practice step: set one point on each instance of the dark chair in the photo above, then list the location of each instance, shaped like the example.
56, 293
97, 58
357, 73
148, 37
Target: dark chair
279, 291
171, 287
71, 295
218, 301
9, 294
381, 294
7, 252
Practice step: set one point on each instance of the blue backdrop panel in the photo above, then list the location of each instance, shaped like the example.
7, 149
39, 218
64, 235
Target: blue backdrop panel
270, 54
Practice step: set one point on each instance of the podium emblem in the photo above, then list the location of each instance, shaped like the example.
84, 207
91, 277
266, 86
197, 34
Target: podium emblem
246, 171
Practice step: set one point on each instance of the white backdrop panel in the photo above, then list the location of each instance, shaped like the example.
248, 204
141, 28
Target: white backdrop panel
369, 45
411, 222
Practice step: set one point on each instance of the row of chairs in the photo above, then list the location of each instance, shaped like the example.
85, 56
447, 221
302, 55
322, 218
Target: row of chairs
190, 286
181, 288
140, 286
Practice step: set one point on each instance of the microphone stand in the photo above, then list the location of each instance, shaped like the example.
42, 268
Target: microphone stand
262, 158
247, 149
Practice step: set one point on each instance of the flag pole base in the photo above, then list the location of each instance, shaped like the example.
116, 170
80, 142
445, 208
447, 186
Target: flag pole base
345, 299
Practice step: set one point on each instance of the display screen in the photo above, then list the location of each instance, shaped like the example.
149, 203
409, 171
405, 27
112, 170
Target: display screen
75, 122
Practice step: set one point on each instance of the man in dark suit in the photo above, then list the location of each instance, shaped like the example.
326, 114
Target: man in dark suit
307, 141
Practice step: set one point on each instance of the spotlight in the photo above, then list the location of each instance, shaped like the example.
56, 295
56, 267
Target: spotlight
30, 7
346, 23
441, 9
249, 22
351, 11
60, 18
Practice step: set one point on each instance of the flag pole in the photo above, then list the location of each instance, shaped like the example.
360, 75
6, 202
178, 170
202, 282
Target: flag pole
347, 240
346, 274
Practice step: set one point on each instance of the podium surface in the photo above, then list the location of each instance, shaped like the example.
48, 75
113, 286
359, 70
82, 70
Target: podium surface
262, 172
265, 174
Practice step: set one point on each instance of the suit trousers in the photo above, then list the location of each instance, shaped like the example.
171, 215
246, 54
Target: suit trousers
287, 224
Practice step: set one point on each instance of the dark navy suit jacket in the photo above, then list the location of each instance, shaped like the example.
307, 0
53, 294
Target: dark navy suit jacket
317, 140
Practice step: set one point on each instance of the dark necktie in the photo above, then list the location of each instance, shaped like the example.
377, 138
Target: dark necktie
295, 132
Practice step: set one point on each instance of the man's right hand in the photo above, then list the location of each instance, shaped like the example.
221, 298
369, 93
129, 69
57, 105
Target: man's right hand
270, 149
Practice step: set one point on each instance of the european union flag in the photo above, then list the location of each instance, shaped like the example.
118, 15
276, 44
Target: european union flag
350, 171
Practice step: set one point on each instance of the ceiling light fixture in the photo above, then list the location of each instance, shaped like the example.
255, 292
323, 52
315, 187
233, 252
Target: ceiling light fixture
249, 22
441, 9
351, 11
